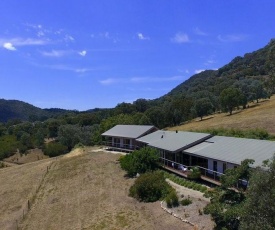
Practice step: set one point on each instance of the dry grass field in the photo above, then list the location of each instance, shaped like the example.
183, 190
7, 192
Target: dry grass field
31, 156
18, 184
84, 189
258, 115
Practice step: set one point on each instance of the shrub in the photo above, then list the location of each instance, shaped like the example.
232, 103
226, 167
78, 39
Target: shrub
54, 149
186, 202
195, 173
172, 199
140, 161
150, 187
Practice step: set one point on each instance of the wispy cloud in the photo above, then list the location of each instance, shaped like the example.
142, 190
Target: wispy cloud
24, 41
65, 68
199, 32
155, 79
69, 38
82, 53
232, 37
110, 81
142, 37
12, 43
9, 46
55, 53
199, 71
180, 38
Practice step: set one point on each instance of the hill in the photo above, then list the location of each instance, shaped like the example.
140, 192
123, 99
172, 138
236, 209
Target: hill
258, 65
84, 189
15, 109
259, 115
252, 75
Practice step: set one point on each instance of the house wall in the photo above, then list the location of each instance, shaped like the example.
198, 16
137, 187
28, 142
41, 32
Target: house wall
219, 165
121, 142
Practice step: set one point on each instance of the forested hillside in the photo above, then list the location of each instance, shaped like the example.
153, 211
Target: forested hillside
19, 110
242, 82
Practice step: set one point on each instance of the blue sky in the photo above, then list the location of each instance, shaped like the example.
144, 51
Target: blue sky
85, 54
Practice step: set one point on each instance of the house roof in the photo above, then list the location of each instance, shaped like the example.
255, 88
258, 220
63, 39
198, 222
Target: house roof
173, 141
234, 150
128, 131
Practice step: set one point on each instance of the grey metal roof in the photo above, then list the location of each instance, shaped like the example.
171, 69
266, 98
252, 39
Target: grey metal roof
173, 141
128, 131
234, 150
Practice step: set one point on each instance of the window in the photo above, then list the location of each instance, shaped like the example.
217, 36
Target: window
126, 143
224, 167
215, 166
117, 142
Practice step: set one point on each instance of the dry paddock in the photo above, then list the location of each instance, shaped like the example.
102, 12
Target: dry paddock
85, 189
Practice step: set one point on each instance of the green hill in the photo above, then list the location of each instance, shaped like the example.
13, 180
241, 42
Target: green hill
15, 109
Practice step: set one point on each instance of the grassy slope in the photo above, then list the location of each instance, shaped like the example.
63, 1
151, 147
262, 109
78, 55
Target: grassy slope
18, 185
261, 115
82, 190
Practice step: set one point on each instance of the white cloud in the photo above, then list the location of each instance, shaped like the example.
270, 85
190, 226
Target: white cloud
199, 71
25, 41
12, 43
142, 37
108, 81
54, 53
199, 32
68, 68
155, 79
180, 38
232, 37
69, 38
9, 46
83, 70
83, 53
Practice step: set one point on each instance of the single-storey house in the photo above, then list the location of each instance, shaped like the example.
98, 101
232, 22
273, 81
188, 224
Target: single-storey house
170, 145
123, 137
222, 152
211, 154
180, 150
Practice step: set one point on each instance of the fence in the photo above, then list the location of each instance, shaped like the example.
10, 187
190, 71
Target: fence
29, 202
207, 173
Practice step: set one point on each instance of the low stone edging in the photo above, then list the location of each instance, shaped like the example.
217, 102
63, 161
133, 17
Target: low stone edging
175, 215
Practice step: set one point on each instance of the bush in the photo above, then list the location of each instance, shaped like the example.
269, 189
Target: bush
54, 149
140, 161
195, 173
150, 187
186, 202
172, 199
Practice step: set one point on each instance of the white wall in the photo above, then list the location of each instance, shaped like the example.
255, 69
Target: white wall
219, 166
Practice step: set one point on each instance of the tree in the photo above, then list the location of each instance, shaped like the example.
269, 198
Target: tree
258, 90
69, 135
203, 107
141, 105
230, 98
226, 203
259, 208
140, 161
